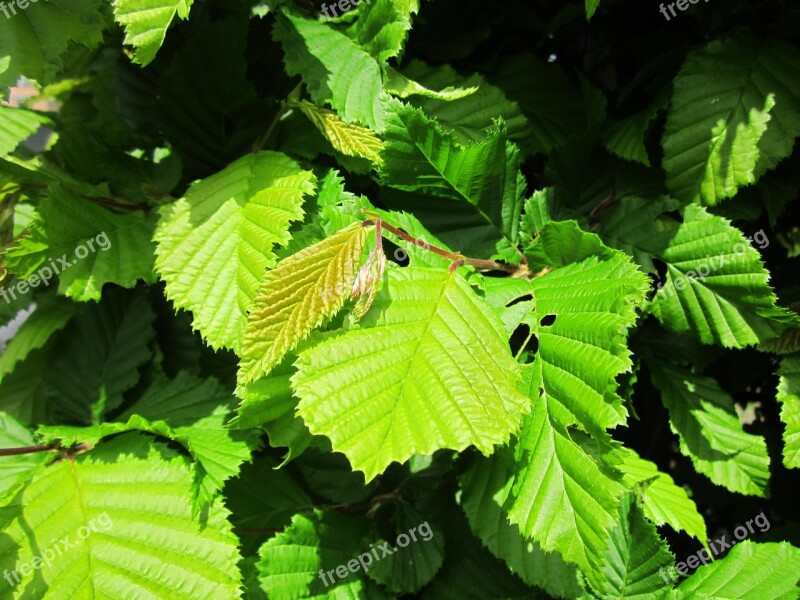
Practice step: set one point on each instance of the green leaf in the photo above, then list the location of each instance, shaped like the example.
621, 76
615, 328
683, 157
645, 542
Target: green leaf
735, 114
294, 562
295, 298
146, 23
334, 68
382, 27
580, 315
664, 502
591, 7
86, 245
34, 41
401, 86
408, 569
636, 556
627, 138
329, 475
265, 496
472, 572
553, 105
207, 106
427, 368
716, 285
22, 392
789, 398
469, 114
196, 410
16, 470
51, 315
485, 488
267, 398
562, 243
187, 410
480, 180
103, 347
561, 496
290, 432
637, 226
214, 244
94, 517
703, 416
16, 125
741, 574
347, 138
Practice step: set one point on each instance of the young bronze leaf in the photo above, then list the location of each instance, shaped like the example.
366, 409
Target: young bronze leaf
297, 296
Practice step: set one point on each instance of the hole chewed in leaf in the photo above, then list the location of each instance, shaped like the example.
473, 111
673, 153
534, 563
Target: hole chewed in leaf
525, 298
547, 320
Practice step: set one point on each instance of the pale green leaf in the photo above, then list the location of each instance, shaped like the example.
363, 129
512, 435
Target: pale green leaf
214, 244
427, 368
296, 297
146, 23
124, 512
347, 138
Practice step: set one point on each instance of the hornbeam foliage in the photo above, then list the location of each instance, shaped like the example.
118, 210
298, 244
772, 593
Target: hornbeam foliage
386, 299
427, 368
234, 218
146, 23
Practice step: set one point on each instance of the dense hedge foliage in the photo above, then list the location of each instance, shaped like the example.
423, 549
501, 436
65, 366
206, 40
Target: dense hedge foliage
399, 298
